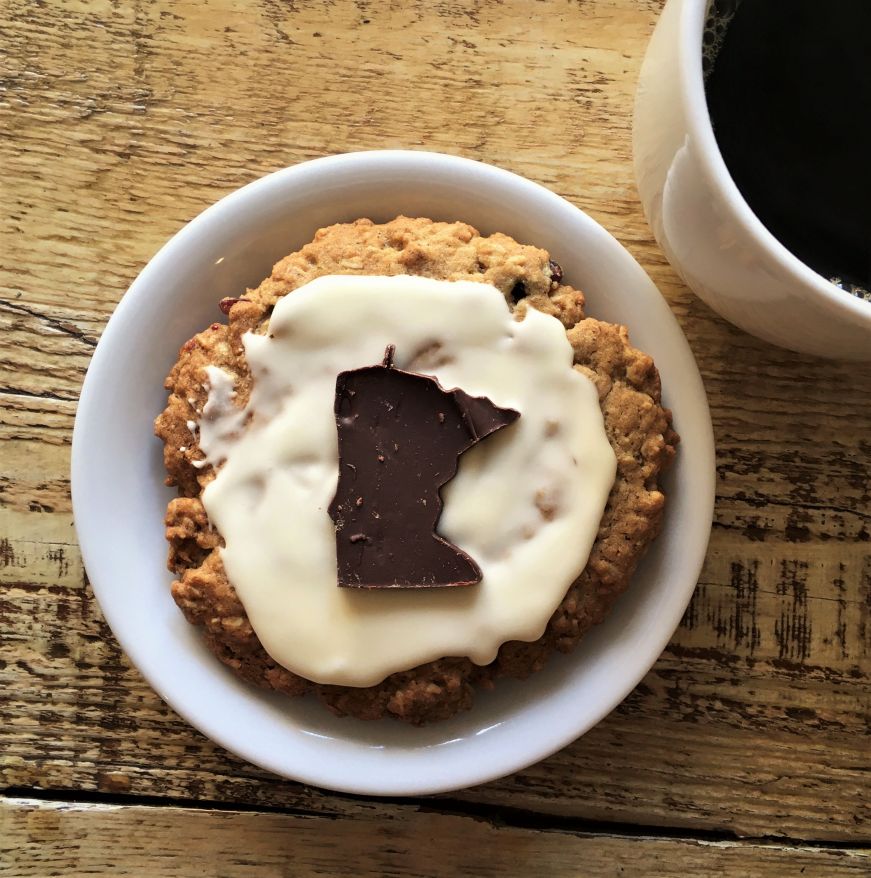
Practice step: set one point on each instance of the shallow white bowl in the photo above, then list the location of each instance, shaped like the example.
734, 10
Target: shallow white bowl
119, 498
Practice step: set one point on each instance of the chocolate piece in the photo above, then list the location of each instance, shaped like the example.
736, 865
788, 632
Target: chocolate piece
227, 303
400, 437
518, 292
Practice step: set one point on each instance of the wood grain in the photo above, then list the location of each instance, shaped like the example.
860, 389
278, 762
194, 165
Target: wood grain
75, 839
122, 121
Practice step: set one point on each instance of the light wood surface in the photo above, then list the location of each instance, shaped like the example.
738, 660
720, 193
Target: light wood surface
121, 121
94, 839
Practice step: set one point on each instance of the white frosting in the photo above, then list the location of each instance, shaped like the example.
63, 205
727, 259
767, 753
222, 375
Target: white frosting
222, 421
525, 504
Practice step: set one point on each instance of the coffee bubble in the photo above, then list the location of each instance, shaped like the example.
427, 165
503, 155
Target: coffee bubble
720, 13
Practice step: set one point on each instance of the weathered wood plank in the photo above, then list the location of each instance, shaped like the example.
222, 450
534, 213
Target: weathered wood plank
122, 121
728, 731
46, 838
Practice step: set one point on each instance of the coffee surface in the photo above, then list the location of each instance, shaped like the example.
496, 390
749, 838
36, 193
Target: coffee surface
789, 93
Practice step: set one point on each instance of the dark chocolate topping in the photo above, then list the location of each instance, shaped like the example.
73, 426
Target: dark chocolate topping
400, 437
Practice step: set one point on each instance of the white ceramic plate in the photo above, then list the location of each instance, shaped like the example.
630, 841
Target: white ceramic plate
119, 498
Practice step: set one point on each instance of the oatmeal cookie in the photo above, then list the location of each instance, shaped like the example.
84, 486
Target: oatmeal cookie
638, 429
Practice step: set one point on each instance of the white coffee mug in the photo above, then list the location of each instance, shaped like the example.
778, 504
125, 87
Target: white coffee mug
704, 225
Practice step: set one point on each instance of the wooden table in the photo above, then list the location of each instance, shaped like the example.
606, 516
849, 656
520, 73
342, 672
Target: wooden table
744, 751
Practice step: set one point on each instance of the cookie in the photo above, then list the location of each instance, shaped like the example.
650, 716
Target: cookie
637, 426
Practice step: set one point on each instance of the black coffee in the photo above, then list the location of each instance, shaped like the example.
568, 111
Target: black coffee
789, 92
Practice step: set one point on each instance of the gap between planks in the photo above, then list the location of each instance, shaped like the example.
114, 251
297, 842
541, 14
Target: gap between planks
494, 815
38, 837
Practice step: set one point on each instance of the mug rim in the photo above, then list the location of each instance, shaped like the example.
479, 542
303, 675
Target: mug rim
713, 165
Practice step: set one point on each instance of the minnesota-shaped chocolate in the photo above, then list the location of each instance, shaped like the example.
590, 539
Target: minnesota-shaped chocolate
400, 438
